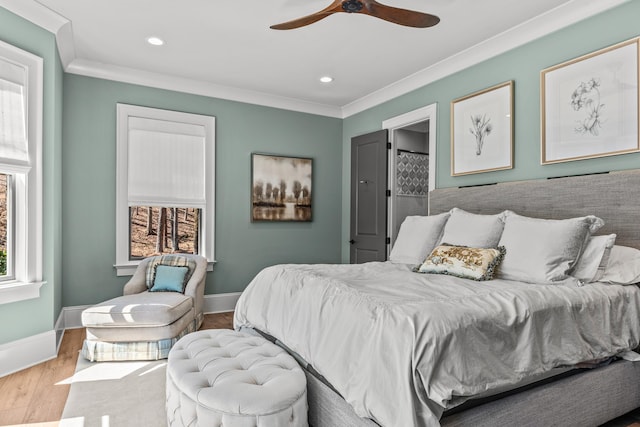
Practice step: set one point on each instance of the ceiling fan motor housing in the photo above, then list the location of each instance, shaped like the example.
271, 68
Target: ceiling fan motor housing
352, 6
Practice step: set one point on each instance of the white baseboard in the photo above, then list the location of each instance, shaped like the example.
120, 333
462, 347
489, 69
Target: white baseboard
72, 316
26, 352
220, 303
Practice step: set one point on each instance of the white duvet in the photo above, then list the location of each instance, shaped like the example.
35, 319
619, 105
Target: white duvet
401, 346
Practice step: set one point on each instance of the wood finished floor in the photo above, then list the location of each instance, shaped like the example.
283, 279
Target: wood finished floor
35, 397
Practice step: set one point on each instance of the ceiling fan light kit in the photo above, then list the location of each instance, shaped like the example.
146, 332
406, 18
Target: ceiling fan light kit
408, 18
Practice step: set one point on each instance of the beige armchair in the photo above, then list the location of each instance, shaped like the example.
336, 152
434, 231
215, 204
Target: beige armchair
144, 324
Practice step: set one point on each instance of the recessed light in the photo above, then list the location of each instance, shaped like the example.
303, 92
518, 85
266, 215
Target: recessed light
156, 41
326, 79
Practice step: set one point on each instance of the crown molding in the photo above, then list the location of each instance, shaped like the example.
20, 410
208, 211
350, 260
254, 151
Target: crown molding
163, 81
49, 20
62, 28
66, 45
35, 12
553, 20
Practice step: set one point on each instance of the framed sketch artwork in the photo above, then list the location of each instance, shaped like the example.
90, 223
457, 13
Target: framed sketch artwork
482, 131
590, 105
281, 188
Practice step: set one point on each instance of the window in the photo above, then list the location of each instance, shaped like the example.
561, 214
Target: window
165, 185
6, 227
20, 174
157, 230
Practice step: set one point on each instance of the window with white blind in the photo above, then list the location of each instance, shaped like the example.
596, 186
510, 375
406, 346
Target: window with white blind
20, 174
165, 185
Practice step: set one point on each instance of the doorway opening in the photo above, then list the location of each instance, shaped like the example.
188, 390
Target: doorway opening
409, 177
411, 166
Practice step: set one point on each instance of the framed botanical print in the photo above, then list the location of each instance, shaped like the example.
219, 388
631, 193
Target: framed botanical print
482, 131
281, 188
590, 105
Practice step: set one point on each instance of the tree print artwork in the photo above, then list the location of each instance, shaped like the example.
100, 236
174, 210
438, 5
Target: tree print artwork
281, 188
586, 98
481, 129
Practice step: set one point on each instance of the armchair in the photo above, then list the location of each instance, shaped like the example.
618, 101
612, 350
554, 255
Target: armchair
144, 323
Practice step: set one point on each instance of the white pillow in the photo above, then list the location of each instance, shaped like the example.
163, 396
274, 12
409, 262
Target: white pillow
593, 261
543, 250
623, 267
417, 237
472, 230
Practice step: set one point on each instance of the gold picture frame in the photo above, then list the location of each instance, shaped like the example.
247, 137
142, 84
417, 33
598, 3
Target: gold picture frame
482, 131
590, 105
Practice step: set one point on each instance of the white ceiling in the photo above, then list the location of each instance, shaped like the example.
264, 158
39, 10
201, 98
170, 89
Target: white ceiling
226, 49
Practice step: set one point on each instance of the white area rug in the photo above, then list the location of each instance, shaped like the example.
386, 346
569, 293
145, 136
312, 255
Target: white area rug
116, 394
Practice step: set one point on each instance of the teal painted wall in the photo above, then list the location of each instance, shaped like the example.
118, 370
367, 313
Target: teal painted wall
79, 134
242, 247
523, 66
31, 317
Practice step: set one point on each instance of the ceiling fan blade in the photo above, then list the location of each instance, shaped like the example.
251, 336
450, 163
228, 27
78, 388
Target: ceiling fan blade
300, 22
334, 7
408, 18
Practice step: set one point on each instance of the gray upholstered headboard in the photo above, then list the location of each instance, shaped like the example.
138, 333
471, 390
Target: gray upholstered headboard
614, 197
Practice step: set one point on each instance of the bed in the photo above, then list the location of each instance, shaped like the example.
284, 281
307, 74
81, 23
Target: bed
370, 363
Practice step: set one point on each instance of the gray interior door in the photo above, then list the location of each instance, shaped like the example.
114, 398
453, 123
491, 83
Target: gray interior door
369, 197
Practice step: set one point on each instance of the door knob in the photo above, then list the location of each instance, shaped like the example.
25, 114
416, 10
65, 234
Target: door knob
352, 241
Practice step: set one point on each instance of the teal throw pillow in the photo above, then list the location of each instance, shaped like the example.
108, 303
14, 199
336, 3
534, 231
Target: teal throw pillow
169, 278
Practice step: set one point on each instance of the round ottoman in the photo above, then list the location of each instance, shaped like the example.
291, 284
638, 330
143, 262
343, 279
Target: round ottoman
223, 378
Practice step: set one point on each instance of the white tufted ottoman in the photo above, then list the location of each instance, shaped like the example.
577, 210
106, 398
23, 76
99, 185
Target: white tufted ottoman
223, 378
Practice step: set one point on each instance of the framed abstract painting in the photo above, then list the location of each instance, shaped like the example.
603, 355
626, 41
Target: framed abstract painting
281, 188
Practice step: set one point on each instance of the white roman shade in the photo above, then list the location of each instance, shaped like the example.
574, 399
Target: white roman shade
14, 150
166, 164
164, 159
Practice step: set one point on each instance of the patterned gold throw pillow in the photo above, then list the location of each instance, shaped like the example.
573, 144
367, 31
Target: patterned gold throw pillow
462, 261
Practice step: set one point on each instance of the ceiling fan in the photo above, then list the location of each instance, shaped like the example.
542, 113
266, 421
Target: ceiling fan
409, 18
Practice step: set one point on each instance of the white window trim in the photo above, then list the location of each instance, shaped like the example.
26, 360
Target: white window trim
28, 230
124, 266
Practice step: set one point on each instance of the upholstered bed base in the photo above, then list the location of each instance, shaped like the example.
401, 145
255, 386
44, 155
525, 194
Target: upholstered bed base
589, 398
580, 398
328, 408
